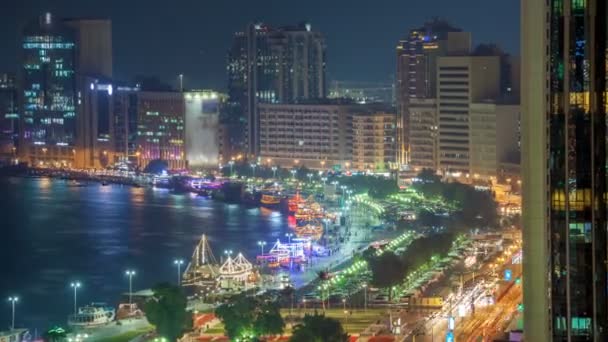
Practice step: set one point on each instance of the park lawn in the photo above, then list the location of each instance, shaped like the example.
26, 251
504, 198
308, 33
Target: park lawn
129, 335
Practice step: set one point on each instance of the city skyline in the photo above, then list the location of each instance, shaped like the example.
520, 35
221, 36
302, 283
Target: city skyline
203, 64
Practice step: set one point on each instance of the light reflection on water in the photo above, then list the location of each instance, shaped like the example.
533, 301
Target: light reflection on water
55, 233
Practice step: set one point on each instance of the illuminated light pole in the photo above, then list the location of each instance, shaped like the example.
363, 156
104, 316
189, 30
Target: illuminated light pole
13, 300
293, 173
324, 179
179, 263
289, 235
262, 244
309, 177
130, 274
75, 285
343, 187
231, 163
274, 172
181, 83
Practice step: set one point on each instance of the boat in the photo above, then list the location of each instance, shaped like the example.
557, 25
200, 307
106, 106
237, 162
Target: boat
311, 230
270, 201
92, 315
104, 183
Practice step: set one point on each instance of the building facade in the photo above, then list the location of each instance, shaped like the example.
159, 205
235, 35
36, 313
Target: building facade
9, 117
313, 135
57, 56
417, 57
564, 165
202, 112
108, 125
461, 81
271, 65
373, 141
423, 133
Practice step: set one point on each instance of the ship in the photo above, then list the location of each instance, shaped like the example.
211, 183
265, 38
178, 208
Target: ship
270, 201
203, 269
92, 315
312, 230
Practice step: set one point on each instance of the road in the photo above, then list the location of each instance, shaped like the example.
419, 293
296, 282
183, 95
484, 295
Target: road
480, 324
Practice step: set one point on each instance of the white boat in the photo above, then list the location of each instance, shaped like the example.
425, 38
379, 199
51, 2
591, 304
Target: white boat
92, 315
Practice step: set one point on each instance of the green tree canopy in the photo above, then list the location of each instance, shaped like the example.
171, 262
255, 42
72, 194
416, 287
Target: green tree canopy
318, 328
248, 317
167, 311
387, 270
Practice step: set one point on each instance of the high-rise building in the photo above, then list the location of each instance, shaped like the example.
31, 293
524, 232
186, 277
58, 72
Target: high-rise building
57, 56
461, 82
268, 65
416, 70
202, 111
161, 128
108, 123
313, 135
9, 116
564, 138
373, 141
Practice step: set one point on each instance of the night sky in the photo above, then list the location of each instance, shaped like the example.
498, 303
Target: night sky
168, 37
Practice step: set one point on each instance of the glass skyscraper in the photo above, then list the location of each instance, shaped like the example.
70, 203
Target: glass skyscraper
49, 85
564, 165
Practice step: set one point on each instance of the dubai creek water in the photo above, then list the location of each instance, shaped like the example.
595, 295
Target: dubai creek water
54, 233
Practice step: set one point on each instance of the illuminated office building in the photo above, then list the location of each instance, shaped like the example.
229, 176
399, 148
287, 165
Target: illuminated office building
564, 142
373, 141
271, 65
56, 56
316, 135
161, 128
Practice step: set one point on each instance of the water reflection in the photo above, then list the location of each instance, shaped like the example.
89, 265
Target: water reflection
55, 233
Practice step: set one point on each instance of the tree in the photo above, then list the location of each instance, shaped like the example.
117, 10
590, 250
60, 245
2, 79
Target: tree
247, 317
318, 328
167, 311
387, 270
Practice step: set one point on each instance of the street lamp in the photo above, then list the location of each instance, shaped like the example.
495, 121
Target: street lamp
253, 165
262, 244
13, 300
130, 274
324, 179
179, 263
309, 177
289, 235
228, 252
274, 172
293, 173
75, 285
